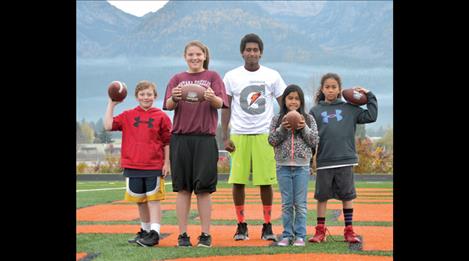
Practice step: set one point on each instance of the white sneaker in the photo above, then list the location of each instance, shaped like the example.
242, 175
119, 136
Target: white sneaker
299, 242
284, 242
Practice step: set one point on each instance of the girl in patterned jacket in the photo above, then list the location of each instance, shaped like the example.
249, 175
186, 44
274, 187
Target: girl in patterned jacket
293, 152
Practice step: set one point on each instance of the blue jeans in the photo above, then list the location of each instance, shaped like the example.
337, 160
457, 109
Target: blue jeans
293, 184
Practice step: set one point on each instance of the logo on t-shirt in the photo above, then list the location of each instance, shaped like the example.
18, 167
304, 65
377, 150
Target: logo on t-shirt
252, 99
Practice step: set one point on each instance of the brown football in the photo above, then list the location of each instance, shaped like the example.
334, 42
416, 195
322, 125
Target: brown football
192, 93
294, 118
354, 97
117, 91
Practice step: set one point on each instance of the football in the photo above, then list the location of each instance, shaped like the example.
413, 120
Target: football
354, 97
192, 93
117, 91
294, 118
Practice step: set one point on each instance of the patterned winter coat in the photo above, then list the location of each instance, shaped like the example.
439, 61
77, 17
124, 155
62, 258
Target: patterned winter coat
293, 148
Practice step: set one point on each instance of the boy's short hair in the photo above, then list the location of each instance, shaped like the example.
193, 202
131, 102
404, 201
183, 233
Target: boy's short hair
251, 38
144, 84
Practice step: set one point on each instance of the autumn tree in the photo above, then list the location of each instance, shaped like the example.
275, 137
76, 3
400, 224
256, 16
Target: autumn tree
87, 132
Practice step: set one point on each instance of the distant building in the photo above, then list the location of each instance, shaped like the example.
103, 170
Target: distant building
97, 152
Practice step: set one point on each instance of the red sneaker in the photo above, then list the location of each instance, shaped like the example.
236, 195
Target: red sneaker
320, 235
350, 236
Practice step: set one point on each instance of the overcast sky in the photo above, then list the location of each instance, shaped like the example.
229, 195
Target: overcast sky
138, 8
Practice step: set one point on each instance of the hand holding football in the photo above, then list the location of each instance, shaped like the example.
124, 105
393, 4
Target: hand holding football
193, 93
176, 94
293, 118
353, 96
117, 91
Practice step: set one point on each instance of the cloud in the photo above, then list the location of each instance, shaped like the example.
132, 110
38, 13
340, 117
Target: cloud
138, 8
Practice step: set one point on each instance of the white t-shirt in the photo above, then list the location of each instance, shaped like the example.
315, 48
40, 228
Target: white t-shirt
253, 96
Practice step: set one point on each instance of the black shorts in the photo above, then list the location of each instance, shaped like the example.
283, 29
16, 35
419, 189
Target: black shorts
194, 163
335, 183
141, 173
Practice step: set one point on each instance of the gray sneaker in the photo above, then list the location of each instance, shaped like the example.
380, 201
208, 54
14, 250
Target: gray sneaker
284, 242
299, 242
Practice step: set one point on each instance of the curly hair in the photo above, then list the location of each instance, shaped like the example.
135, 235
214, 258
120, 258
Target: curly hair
319, 95
251, 38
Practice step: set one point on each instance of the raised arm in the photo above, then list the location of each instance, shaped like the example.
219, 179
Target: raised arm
371, 113
108, 116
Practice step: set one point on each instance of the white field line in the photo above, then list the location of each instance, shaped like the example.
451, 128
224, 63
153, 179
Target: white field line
103, 189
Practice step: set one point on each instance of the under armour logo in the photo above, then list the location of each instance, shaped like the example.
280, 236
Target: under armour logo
325, 116
138, 121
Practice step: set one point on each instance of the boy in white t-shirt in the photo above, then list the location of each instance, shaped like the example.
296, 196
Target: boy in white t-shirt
251, 91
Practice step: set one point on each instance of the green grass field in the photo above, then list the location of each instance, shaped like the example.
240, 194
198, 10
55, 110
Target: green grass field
101, 246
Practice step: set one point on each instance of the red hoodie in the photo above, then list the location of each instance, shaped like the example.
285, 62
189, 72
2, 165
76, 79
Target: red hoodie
144, 135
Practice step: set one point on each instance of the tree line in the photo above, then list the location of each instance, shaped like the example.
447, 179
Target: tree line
93, 132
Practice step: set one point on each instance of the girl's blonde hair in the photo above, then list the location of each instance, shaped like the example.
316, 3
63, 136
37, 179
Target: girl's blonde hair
319, 95
143, 85
204, 49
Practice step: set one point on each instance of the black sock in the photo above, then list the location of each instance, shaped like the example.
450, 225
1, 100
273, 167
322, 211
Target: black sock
321, 220
348, 216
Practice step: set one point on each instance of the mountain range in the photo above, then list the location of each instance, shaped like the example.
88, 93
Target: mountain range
302, 40
310, 32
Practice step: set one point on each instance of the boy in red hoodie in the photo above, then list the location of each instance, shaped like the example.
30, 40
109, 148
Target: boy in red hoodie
144, 157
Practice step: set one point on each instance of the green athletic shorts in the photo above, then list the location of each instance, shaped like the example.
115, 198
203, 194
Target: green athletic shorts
256, 149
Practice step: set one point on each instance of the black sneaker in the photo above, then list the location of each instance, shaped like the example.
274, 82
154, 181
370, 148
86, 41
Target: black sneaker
267, 233
184, 240
205, 240
241, 232
150, 239
140, 235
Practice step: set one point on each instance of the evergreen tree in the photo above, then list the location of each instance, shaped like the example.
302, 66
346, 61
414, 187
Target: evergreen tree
99, 125
104, 137
96, 138
93, 126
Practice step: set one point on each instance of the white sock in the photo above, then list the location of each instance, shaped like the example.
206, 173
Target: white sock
156, 227
146, 226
